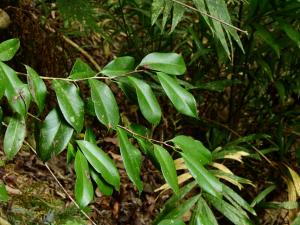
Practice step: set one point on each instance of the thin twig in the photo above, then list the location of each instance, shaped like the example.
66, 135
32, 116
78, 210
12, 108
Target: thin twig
146, 138
212, 17
85, 53
60, 185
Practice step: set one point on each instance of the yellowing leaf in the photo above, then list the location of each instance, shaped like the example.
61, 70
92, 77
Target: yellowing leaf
181, 179
296, 180
221, 167
237, 156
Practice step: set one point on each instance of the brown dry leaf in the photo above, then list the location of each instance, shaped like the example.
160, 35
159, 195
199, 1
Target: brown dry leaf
237, 156
230, 180
222, 167
181, 179
179, 164
296, 180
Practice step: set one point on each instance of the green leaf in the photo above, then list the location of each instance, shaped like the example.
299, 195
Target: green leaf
156, 9
207, 181
178, 12
262, 195
3, 193
1, 116
3, 84
166, 12
70, 103
296, 220
203, 214
14, 136
218, 85
174, 201
289, 205
119, 66
267, 37
84, 191
105, 104
16, 92
37, 88
171, 222
167, 167
81, 70
132, 159
90, 136
238, 199
54, 136
195, 149
228, 211
170, 63
104, 187
292, 33
147, 101
101, 162
70, 153
182, 208
8, 49
183, 101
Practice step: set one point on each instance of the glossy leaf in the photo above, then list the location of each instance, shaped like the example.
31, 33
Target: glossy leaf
8, 49
90, 136
3, 193
132, 159
101, 162
147, 101
194, 148
119, 66
70, 103
81, 70
207, 181
167, 167
37, 88
71, 153
16, 92
14, 136
84, 191
171, 222
105, 104
230, 212
170, 63
183, 101
54, 135
104, 187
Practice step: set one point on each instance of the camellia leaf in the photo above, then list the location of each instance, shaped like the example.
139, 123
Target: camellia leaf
171, 222
3, 193
132, 159
81, 70
207, 181
170, 63
147, 101
101, 162
3, 84
70, 103
84, 191
8, 49
37, 88
167, 167
104, 187
183, 101
193, 148
54, 136
14, 136
105, 104
70, 153
119, 66
16, 92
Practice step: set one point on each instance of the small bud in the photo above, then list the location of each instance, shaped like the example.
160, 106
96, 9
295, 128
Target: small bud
4, 20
